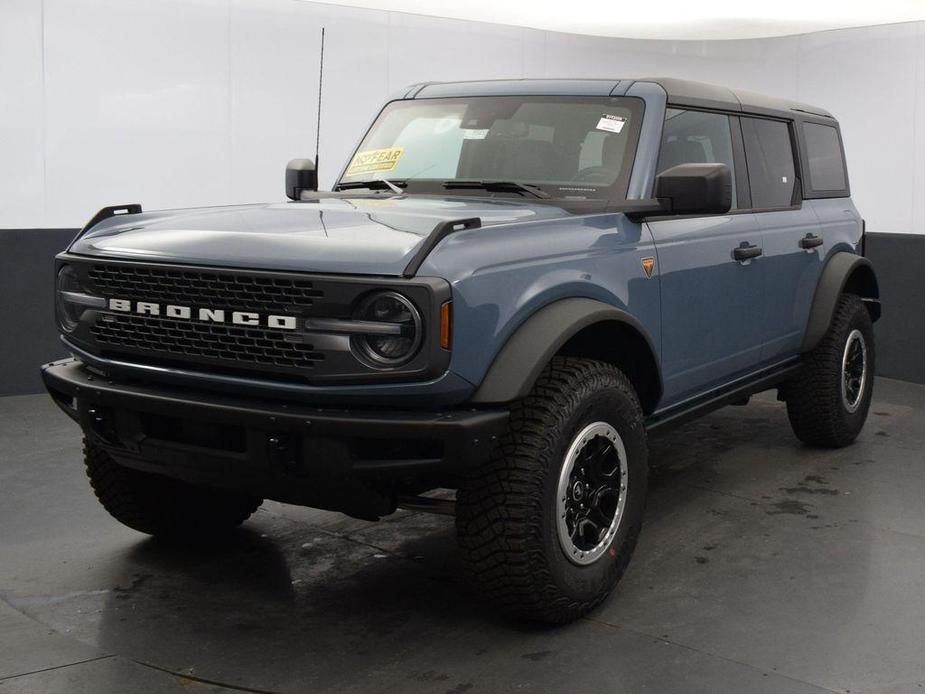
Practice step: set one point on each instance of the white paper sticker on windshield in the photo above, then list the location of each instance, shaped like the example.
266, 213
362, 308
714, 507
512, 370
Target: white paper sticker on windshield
469, 134
612, 124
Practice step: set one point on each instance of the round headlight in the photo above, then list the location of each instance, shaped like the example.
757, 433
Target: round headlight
397, 336
68, 312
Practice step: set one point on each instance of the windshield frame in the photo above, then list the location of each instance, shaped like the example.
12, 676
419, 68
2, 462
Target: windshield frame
579, 193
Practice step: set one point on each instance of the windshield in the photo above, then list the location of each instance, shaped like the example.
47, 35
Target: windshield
560, 146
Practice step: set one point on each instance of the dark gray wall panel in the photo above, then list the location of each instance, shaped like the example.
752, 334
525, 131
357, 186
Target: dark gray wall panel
899, 260
28, 337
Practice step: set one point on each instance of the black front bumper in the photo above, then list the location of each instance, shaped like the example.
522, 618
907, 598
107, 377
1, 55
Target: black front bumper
347, 460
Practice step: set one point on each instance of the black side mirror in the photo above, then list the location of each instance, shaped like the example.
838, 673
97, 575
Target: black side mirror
695, 188
300, 175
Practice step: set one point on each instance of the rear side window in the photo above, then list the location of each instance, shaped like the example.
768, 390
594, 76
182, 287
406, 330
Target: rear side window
824, 155
769, 157
696, 137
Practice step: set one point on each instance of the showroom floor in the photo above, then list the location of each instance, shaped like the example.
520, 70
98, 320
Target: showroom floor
763, 567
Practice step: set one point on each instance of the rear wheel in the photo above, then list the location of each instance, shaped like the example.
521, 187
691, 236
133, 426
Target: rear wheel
548, 526
162, 506
828, 402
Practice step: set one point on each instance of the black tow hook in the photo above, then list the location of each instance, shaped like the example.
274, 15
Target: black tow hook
99, 421
282, 452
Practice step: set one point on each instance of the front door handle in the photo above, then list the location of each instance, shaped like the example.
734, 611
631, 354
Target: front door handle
746, 252
810, 241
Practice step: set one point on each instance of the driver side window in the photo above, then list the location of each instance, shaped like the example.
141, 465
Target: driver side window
696, 137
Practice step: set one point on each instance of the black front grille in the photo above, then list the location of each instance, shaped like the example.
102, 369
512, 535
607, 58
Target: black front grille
254, 346
230, 290
241, 322
233, 346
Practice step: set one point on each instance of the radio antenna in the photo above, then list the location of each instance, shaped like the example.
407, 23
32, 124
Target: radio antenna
320, 83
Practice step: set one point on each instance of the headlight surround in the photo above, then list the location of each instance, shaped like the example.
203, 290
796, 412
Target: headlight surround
68, 312
399, 315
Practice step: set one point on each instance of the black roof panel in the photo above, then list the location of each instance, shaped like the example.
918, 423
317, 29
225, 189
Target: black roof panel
680, 92
688, 92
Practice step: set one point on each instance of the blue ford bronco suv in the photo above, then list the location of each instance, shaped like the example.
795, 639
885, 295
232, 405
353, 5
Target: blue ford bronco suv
510, 285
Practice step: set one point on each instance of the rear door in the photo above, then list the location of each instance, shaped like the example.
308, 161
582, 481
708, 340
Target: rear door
793, 243
712, 305
826, 185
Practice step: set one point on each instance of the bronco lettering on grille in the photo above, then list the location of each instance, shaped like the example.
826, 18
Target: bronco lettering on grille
209, 315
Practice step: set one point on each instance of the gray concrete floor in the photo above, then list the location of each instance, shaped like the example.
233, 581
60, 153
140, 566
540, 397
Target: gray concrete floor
764, 566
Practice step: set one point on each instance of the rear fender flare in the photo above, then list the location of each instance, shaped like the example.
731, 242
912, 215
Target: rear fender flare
843, 272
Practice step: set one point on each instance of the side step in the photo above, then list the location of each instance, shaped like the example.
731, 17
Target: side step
736, 393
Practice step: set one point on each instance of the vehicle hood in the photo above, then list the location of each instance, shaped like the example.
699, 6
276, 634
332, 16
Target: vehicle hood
356, 235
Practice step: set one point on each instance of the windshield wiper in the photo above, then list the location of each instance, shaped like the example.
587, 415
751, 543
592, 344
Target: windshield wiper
499, 186
374, 184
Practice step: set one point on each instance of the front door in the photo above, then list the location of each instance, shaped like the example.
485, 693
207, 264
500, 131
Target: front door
712, 304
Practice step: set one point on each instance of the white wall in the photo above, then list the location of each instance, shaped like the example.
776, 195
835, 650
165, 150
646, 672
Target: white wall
174, 103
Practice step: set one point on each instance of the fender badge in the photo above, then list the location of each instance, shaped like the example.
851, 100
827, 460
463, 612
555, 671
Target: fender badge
648, 264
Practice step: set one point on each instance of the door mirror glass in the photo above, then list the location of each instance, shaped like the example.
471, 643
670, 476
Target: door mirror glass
695, 189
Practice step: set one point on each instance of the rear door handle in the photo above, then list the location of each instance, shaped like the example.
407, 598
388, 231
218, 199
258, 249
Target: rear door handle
746, 252
811, 241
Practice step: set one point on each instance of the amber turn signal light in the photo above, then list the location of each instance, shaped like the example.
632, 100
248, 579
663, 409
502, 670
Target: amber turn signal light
445, 324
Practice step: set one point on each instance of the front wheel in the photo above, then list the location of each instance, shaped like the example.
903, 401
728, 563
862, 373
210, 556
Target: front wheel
162, 506
548, 526
828, 402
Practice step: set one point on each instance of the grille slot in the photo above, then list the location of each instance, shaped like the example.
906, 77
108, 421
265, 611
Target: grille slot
194, 287
187, 339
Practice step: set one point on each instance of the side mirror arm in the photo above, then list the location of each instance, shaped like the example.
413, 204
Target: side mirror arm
638, 210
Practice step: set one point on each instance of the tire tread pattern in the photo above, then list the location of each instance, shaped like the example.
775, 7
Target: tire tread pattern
500, 507
814, 404
161, 506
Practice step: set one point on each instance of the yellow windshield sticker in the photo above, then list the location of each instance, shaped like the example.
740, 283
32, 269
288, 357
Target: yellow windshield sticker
373, 160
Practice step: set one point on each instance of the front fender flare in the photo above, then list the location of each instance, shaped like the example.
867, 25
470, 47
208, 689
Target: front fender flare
844, 271
519, 363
